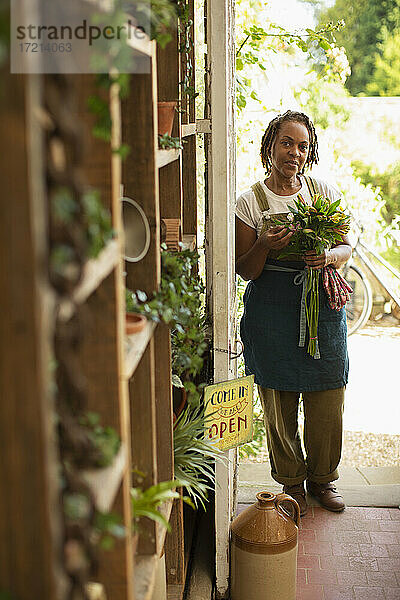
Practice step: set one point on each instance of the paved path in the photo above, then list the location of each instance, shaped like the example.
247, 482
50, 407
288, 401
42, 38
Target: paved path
373, 392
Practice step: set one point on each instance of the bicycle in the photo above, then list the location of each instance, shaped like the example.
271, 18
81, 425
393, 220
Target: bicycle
359, 307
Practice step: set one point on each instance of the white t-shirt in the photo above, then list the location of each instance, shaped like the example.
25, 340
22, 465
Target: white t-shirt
248, 211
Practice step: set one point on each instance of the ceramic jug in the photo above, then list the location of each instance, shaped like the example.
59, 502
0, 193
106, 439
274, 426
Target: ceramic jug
264, 540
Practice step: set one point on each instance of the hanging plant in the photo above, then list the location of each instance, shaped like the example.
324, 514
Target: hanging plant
99, 105
180, 304
186, 47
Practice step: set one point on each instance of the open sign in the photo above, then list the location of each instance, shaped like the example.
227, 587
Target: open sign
229, 412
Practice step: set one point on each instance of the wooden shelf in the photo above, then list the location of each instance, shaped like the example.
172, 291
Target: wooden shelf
188, 129
145, 566
145, 46
104, 483
136, 345
94, 272
95, 591
165, 157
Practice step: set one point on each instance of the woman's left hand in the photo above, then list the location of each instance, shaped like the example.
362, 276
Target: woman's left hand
316, 261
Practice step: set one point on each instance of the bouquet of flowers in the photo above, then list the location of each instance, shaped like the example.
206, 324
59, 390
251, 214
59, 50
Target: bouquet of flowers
316, 227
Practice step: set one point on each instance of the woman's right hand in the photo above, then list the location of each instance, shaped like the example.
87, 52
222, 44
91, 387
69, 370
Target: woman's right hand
276, 238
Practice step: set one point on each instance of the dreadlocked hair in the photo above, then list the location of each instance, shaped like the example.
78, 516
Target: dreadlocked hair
272, 130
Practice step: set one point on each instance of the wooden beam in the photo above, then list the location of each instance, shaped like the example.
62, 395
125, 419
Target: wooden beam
140, 174
189, 180
103, 352
30, 508
170, 176
163, 392
175, 546
144, 444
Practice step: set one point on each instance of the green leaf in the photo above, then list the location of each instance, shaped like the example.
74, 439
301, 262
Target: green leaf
324, 44
176, 381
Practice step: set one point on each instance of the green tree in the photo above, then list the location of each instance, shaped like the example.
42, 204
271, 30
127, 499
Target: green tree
386, 77
368, 24
389, 184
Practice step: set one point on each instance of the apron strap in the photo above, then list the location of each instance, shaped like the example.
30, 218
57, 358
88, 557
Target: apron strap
311, 184
261, 196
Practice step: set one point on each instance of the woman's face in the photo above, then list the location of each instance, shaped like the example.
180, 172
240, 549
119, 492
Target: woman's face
290, 149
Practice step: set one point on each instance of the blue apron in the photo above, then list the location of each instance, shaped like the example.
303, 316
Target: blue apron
270, 329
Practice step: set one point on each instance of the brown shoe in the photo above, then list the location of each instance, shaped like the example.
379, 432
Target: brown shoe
299, 494
327, 495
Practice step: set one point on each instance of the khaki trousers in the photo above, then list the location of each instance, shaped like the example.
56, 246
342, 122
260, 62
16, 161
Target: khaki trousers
323, 424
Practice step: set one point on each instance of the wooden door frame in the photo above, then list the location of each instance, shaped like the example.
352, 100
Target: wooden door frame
221, 193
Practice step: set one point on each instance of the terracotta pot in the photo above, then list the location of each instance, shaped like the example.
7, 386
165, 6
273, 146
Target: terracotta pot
179, 397
171, 233
134, 323
264, 549
166, 114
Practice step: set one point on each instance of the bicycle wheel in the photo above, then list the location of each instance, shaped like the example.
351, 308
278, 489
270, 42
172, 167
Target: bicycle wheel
359, 307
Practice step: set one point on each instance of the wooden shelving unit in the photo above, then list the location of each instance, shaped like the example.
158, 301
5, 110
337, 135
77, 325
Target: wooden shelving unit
127, 378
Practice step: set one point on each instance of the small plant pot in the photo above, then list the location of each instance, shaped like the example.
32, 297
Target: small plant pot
166, 114
179, 396
134, 323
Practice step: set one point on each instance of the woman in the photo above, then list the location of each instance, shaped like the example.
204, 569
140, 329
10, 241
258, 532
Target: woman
270, 323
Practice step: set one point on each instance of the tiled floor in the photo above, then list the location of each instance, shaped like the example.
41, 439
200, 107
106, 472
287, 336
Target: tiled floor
354, 555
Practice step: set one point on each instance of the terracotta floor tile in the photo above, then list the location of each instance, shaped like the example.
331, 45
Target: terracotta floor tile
371, 525
352, 537
301, 576
389, 526
392, 593
384, 578
309, 562
369, 593
393, 550
389, 564
318, 548
362, 512
345, 549
364, 564
338, 593
335, 563
321, 576
384, 537
300, 549
309, 592
351, 578
307, 535
374, 550
347, 525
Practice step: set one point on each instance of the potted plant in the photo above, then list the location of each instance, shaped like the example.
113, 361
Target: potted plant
166, 142
195, 454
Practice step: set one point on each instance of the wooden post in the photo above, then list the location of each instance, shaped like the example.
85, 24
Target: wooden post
168, 62
144, 444
175, 550
103, 339
163, 394
221, 159
140, 174
30, 507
